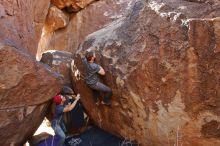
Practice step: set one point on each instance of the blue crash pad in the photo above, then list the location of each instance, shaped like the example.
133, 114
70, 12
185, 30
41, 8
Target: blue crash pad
92, 137
96, 137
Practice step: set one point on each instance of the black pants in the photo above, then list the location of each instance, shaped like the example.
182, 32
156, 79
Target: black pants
100, 87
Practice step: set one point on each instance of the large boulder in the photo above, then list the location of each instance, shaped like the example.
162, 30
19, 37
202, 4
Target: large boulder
163, 63
21, 23
26, 88
75, 5
84, 22
56, 19
60, 62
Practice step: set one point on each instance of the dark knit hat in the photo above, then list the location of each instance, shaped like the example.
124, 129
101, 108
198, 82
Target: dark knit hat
67, 91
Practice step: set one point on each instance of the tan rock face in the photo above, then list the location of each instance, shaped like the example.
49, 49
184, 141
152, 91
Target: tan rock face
21, 22
88, 20
25, 90
163, 67
62, 3
56, 19
73, 4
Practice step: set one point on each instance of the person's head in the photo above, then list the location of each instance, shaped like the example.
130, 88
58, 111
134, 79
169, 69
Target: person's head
59, 99
66, 90
90, 56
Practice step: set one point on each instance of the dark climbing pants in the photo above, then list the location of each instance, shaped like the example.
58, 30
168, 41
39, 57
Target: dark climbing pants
100, 87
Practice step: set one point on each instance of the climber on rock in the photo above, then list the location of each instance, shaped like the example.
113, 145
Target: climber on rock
57, 123
93, 71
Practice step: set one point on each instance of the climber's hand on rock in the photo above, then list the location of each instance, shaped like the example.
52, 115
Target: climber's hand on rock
78, 96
